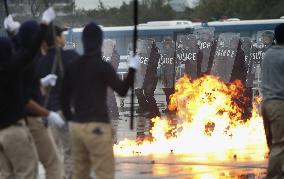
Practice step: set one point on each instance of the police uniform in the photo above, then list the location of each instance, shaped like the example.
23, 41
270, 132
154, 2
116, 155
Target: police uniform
150, 82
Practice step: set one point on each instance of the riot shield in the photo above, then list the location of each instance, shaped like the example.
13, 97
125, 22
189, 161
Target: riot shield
109, 54
107, 49
256, 56
225, 55
263, 41
143, 50
166, 62
151, 79
151, 75
205, 38
179, 67
69, 42
246, 45
115, 58
187, 54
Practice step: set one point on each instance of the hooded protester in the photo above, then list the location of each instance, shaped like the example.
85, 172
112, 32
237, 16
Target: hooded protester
44, 141
44, 68
85, 84
18, 159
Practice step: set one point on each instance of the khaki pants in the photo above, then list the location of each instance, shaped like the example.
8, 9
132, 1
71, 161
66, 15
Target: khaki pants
62, 140
274, 113
18, 156
92, 150
46, 148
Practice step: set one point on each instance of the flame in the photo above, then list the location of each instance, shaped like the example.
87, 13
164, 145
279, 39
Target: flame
209, 124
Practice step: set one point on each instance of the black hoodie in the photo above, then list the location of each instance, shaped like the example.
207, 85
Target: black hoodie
12, 98
44, 67
30, 77
86, 81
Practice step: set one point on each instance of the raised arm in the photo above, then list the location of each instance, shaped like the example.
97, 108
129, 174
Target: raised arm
25, 55
122, 86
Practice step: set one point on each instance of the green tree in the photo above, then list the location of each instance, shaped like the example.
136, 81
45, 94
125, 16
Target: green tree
148, 11
243, 9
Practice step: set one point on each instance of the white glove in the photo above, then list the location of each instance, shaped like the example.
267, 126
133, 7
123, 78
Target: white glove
10, 25
55, 119
134, 62
49, 80
48, 15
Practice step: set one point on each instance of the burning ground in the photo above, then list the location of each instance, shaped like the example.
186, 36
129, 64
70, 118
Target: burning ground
209, 124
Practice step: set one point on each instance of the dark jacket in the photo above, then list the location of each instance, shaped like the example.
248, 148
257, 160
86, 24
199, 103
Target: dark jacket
12, 97
44, 67
86, 81
30, 77
32, 84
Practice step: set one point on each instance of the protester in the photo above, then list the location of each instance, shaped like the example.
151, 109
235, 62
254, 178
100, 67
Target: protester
18, 156
43, 139
44, 68
85, 84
